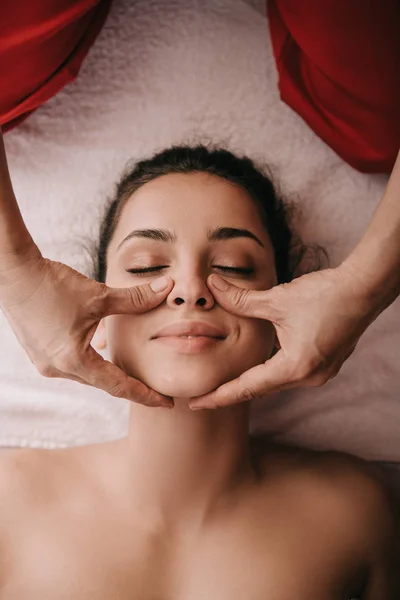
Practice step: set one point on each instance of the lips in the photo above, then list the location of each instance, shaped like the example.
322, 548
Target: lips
192, 329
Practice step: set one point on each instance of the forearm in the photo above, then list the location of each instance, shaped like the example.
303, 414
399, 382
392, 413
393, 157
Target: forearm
14, 236
377, 256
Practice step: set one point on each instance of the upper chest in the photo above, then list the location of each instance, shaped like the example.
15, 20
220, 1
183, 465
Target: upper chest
276, 556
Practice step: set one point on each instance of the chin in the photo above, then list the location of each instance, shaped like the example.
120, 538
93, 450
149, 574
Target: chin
183, 386
189, 376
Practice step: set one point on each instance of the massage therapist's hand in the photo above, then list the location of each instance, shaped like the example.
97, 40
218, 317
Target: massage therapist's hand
54, 312
318, 319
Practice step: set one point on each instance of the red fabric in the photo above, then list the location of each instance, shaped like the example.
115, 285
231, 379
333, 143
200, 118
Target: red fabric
339, 68
42, 46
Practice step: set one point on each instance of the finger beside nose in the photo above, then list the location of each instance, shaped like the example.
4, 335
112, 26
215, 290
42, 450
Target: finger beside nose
249, 303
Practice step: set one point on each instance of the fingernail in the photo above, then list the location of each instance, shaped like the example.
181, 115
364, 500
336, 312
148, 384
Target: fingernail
219, 282
195, 407
159, 284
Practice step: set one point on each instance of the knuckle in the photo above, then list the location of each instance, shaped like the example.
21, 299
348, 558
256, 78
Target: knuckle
296, 370
248, 394
47, 369
334, 370
318, 379
116, 390
279, 292
117, 386
309, 368
301, 369
216, 403
240, 298
314, 364
138, 297
67, 363
101, 303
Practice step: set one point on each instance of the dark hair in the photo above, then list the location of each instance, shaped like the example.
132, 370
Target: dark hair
242, 171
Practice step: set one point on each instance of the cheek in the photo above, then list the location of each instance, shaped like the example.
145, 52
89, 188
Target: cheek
113, 325
256, 339
124, 335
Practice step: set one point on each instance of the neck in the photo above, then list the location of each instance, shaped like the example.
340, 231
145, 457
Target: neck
181, 461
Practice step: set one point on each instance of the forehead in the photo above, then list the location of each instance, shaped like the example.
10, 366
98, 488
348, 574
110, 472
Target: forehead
182, 202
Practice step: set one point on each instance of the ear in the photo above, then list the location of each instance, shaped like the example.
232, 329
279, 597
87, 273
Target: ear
99, 340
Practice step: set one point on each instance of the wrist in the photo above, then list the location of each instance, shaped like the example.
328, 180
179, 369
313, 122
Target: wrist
17, 259
375, 289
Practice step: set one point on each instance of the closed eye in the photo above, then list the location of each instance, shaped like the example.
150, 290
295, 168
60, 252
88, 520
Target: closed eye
148, 270
143, 271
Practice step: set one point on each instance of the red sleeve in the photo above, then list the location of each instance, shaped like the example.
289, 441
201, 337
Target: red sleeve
339, 68
42, 46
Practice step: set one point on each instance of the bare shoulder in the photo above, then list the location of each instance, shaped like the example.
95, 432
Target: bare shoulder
32, 479
350, 497
344, 501
15, 466
35, 482
355, 482
38, 478
18, 488
335, 488
37, 472
24, 473
371, 516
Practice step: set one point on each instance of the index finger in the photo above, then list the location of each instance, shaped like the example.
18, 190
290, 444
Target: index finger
261, 380
103, 374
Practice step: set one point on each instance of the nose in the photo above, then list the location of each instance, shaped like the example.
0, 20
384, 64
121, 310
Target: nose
190, 292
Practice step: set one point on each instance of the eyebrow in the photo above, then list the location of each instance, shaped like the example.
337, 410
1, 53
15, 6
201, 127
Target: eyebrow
215, 235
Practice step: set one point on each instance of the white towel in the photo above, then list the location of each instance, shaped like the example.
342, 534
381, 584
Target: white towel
181, 71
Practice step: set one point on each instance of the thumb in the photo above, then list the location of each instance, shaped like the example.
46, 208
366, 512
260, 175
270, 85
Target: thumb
259, 304
259, 381
103, 374
136, 299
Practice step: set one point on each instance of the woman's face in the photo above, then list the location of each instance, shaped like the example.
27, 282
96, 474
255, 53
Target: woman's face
188, 226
